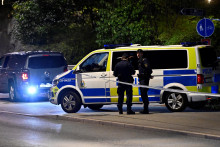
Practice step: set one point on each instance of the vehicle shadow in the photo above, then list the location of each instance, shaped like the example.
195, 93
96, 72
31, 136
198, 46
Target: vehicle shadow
26, 100
156, 109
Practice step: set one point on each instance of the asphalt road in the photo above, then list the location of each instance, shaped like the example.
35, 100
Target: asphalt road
21, 131
18, 128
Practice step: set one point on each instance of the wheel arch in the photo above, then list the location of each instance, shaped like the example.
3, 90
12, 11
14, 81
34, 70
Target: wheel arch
67, 88
179, 86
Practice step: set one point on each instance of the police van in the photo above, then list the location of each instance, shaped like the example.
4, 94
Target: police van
180, 67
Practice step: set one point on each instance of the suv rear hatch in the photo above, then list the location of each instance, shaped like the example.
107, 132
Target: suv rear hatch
210, 70
44, 67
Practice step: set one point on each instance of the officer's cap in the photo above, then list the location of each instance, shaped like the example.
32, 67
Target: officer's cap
125, 55
140, 51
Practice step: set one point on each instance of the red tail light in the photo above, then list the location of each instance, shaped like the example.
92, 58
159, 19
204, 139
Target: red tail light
65, 69
200, 79
24, 76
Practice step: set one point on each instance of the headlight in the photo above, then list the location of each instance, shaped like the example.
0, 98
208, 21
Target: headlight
55, 82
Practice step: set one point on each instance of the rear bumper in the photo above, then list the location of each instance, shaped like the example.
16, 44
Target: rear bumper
38, 92
193, 97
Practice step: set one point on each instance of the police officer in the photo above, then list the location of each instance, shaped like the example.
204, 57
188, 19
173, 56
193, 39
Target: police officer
144, 76
124, 71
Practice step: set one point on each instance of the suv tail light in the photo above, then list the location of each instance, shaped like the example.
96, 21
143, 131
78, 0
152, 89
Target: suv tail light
65, 69
24, 76
200, 79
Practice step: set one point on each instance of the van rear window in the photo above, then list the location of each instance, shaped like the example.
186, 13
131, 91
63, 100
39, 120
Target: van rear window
208, 56
46, 62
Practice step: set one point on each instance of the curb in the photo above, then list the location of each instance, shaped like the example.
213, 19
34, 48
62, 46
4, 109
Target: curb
133, 126
119, 124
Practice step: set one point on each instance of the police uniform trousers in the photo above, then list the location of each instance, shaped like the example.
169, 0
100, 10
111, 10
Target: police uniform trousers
121, 89
144, 94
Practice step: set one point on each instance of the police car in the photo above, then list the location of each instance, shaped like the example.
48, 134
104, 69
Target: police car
187, 67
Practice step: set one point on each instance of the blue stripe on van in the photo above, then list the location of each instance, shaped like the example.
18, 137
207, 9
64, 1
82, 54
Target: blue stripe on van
151, 99
179, 72
153, 92
97, 100
95, 92
150, 92
217, 78
185, 80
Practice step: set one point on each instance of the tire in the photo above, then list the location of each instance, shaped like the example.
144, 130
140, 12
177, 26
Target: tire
12, 92
95, 106
176, 102
70, 102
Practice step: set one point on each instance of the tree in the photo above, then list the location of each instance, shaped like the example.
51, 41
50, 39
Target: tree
62, 25
123, 21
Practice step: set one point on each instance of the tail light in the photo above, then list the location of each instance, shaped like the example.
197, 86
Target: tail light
24, 76
65, 69
200, 79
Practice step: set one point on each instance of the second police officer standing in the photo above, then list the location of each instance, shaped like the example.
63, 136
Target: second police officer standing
124, 71
144, 76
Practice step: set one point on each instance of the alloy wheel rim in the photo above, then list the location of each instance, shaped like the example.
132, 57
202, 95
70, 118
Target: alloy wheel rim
175, 101
69, 102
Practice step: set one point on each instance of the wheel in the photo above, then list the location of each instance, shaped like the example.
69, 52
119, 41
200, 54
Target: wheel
176, 102
70, 102
95, 106
12, 93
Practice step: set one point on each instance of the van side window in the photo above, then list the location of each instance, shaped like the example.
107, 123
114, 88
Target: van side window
95, 63
132, 58
158, 59
167, 59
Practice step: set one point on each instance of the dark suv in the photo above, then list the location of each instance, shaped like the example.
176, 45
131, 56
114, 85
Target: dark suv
29, 74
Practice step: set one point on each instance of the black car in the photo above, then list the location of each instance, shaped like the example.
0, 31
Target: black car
29, 74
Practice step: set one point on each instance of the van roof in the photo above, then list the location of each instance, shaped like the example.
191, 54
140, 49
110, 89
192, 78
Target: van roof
153, 46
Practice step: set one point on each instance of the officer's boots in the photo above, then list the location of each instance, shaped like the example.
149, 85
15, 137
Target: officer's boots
146, 110
120, 110
129, 111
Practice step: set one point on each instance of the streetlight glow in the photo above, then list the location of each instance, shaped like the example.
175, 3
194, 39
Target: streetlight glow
209, 1
2, 2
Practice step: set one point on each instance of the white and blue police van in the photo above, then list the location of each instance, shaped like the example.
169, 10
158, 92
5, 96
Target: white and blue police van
189, 68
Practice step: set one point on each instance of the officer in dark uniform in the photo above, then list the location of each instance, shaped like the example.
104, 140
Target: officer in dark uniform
124, 71
144, 76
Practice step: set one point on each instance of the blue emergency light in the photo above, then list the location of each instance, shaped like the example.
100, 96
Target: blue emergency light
186, 44
112, 46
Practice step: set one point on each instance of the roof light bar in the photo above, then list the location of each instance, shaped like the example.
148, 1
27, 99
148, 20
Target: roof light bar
194, 43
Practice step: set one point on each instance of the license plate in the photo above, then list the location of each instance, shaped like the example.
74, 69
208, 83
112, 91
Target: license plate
45, 85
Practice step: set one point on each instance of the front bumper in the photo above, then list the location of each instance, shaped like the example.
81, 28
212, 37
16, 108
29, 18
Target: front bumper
52, 95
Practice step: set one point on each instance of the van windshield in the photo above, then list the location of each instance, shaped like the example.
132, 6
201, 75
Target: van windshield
208, 56
46, 62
